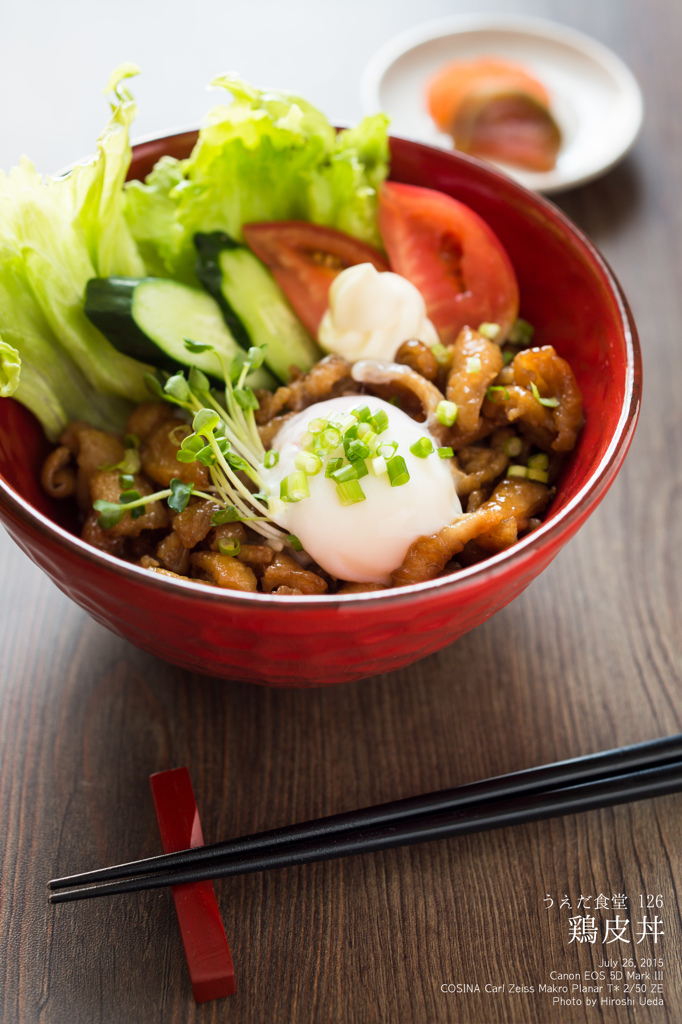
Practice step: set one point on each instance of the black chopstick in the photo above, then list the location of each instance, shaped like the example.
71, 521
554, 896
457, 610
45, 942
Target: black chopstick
551, 776
621, 788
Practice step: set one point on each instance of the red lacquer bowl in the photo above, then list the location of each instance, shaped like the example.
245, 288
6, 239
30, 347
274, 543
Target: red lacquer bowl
575, 303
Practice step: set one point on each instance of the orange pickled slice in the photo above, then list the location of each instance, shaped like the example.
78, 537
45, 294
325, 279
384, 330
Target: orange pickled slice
496, 109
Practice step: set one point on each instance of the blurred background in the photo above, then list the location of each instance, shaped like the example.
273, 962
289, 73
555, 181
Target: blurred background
56, 59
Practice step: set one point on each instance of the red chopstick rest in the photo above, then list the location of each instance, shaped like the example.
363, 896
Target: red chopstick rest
203, 935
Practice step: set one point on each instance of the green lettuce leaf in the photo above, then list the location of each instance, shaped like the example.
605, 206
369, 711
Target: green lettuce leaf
10, 369
55, 234
266, 156
151, 212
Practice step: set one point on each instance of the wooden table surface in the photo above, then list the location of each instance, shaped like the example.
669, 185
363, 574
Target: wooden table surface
587, 658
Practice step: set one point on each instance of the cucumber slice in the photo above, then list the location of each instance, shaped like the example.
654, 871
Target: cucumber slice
245, 288
149, 318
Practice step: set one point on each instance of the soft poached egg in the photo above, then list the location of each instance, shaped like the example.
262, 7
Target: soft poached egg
364, 542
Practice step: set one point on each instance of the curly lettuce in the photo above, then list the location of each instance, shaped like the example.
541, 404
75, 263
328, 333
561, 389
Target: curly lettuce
10, 368
55, 234
265, 156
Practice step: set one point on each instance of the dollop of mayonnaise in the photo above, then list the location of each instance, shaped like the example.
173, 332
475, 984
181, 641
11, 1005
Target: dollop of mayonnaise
367, 541
372, 313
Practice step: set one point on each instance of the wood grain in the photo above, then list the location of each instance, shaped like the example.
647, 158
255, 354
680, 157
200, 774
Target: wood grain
587, 658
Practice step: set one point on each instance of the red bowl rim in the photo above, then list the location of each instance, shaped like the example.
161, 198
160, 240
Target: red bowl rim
577, 509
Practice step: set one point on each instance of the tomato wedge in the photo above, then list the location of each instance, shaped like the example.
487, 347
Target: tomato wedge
451, 255
304, 260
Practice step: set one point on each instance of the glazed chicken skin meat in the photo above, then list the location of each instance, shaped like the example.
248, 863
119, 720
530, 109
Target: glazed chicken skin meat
500, 457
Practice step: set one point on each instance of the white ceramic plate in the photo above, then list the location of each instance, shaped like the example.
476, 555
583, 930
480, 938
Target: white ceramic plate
595, 98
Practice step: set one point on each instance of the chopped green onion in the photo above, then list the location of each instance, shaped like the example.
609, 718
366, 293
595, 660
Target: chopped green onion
308, 462
360, 466
539, 461
329, 439
362, 413
353, 470
507, 357
350, 492
489, 330
364, 428
177, 434
541, 475
445, 453
317, 425
308, 440
356, 450
205, 422
293, 540
521, 333
379, 420
371, 440
513, 447
446, 413
473, 364
271, 458
550, 403
397, 471
351, 433
442, 354
422, 447
229, 547
342, 421
348, 440
387, 449
379, 466
229, 514
518, 471
332, 466
493, 390
345, 473
294, 487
